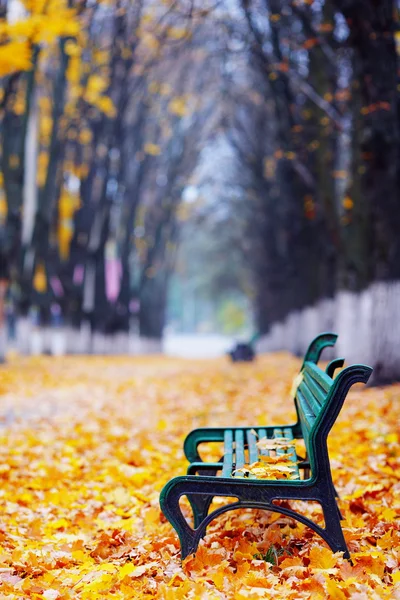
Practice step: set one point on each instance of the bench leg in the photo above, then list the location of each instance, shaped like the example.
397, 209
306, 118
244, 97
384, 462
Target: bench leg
169, 502
205, 488
333, 528
341, 517
337, 497
200, 505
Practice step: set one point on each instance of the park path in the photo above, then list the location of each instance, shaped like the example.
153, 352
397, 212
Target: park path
50, 380
197, 345
92, 440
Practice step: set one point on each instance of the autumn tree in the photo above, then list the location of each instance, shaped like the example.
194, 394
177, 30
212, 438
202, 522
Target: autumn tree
323, 63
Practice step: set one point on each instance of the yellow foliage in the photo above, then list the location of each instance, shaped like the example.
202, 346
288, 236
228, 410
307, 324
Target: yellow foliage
177, 106
177, 33
43, 161
72, 49
44, 103
397, 38
46, 125
40, 279
3, 208
74, 71
44, 22
150, 41
152, 149
348, 203
19, 106
105, 104
44, 26
94, 88
67, 206
80, 488
14, 56
85, 136
65, 233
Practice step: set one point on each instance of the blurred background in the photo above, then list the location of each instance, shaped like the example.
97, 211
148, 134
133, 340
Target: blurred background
193, 170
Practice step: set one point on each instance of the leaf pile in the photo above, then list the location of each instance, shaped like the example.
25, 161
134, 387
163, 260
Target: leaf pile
87, 444
271, 467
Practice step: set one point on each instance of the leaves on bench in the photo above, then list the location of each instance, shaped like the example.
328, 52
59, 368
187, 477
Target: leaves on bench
271, 467
296, 382
274, 443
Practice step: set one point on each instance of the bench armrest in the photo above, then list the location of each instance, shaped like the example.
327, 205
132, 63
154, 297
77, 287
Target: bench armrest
196, 437
217, 434
204, 468
324, 340
336, 363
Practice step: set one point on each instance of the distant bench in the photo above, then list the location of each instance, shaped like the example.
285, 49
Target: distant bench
318, 401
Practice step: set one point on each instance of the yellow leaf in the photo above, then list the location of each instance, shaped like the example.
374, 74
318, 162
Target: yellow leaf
152, 149
296, 382
334, 591
396, 577
348, 203
105, 104
14, 56
127, 569
177, 106
322, 558
40, 279
85, 136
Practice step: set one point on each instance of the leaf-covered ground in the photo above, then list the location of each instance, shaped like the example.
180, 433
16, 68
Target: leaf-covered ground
87, 444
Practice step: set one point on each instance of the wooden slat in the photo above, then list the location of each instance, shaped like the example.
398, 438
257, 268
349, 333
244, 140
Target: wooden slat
322, 378
291, 452
239, 450
316, 389
288, 433
311, 401
278, 433
228, 454
262, 433
253, 450
307, 416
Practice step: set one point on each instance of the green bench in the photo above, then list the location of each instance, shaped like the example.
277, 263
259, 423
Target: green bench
318, 400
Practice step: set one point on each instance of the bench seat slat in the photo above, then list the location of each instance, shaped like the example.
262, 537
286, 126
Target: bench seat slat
262, 433
253, 450
228, 454
288, 433
278, 433
239, 450
291, 452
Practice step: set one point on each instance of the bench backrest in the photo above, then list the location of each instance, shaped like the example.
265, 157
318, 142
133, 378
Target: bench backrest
319, 399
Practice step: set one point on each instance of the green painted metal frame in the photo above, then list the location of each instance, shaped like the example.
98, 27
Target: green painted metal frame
261, 493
